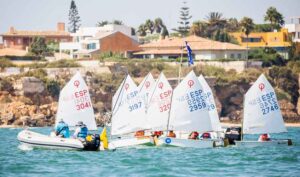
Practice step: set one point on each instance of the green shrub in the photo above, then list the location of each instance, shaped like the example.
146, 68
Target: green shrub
6, 85
4, 62
38, 73
63, 64
53, 87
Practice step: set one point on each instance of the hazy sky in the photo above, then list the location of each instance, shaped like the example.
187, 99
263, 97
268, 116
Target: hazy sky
44, 14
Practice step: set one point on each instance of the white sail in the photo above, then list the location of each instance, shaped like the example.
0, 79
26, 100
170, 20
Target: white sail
211, 105
159, 104
75, 104
189, 110
128, 113
145, 88
261, 109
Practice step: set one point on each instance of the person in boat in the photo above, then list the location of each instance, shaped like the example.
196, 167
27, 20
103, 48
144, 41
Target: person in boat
264, 137
140, 133
205, 135
157, 133
81, 131
194, 135
62, 129
172, 134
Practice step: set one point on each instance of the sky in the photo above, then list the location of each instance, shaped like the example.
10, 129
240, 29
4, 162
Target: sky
44, 14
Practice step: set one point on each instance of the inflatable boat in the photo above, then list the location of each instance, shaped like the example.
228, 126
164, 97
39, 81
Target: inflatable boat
34, 139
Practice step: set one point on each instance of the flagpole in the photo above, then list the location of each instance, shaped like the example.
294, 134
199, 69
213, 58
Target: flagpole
179, 70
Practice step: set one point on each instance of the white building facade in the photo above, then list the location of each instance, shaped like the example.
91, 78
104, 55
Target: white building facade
294, 28
86, 40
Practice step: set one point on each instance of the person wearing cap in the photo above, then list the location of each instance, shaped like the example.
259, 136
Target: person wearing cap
264, 137
194, 135
81, 131
62, 129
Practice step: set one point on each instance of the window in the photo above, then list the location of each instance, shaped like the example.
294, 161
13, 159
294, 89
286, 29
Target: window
244, 39
19, 41
91, 46
232, 55
239, 56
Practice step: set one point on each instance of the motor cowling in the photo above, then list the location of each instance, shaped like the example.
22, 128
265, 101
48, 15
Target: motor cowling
92, 142
233, 134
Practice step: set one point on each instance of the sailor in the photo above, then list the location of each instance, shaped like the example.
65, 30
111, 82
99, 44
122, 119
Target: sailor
139, 133
62, 129
264, 137
194, 135
172, 134
157, 133
81, 131
206, 135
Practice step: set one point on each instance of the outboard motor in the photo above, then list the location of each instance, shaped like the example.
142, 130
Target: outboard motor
233, 134
92, 142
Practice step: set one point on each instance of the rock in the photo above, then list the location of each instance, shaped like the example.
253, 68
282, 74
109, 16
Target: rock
38, 116
237, 100
224, 119
32, 85
8, 118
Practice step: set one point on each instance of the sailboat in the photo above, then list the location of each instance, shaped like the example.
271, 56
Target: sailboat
262, 114
128, 115
189, 113
74, 105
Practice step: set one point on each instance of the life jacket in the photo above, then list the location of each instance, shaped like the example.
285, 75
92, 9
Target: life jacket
158, 133
265, 137
83, 132
206, 136
194, 135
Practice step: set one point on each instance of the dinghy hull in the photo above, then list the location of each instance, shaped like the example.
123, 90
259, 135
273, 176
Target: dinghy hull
285, 142
189, 143
129, 142
38, 140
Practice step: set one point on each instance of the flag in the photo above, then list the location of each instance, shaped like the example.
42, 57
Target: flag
189, 52
103, 138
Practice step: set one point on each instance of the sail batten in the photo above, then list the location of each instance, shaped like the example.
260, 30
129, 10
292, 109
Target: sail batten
261, 109
75, 104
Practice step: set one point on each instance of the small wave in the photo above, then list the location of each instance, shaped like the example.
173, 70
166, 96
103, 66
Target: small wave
25, 147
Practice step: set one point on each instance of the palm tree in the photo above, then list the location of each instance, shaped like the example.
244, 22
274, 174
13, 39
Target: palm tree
117, 22
232, 25
149, 26
102, 23
164, 32
247, 26
199, 28
215, 21
142, 30
158, 25
274, 17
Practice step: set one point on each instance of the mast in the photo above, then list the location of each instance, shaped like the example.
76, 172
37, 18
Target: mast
242, 134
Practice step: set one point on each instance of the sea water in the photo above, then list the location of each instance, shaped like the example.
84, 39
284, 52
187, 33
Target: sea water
17, 160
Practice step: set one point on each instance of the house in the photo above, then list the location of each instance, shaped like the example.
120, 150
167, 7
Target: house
20, 39
88, 41
203, 49
278, 40
294, 28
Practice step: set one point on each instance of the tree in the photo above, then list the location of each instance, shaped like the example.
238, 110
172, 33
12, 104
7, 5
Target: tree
117, 22
158, 25
274, 17
199, 28
164, 32
247, 26
38, 46
102, 23
232, 25
185, 16
142, 30
74, 19
149, 25
215, 22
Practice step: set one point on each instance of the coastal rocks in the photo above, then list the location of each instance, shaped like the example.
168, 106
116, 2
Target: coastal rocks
288, 111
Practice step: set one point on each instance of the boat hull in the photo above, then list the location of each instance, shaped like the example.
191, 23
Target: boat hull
129, 142
38, 140
285, 142
188, 143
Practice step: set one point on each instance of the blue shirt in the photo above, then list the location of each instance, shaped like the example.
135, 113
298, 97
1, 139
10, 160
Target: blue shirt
63, 129
83, 132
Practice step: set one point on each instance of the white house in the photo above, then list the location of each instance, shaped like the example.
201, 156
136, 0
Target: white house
294, 28
86, 39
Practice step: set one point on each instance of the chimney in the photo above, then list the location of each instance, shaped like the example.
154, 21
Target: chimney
11, 29
60, 26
